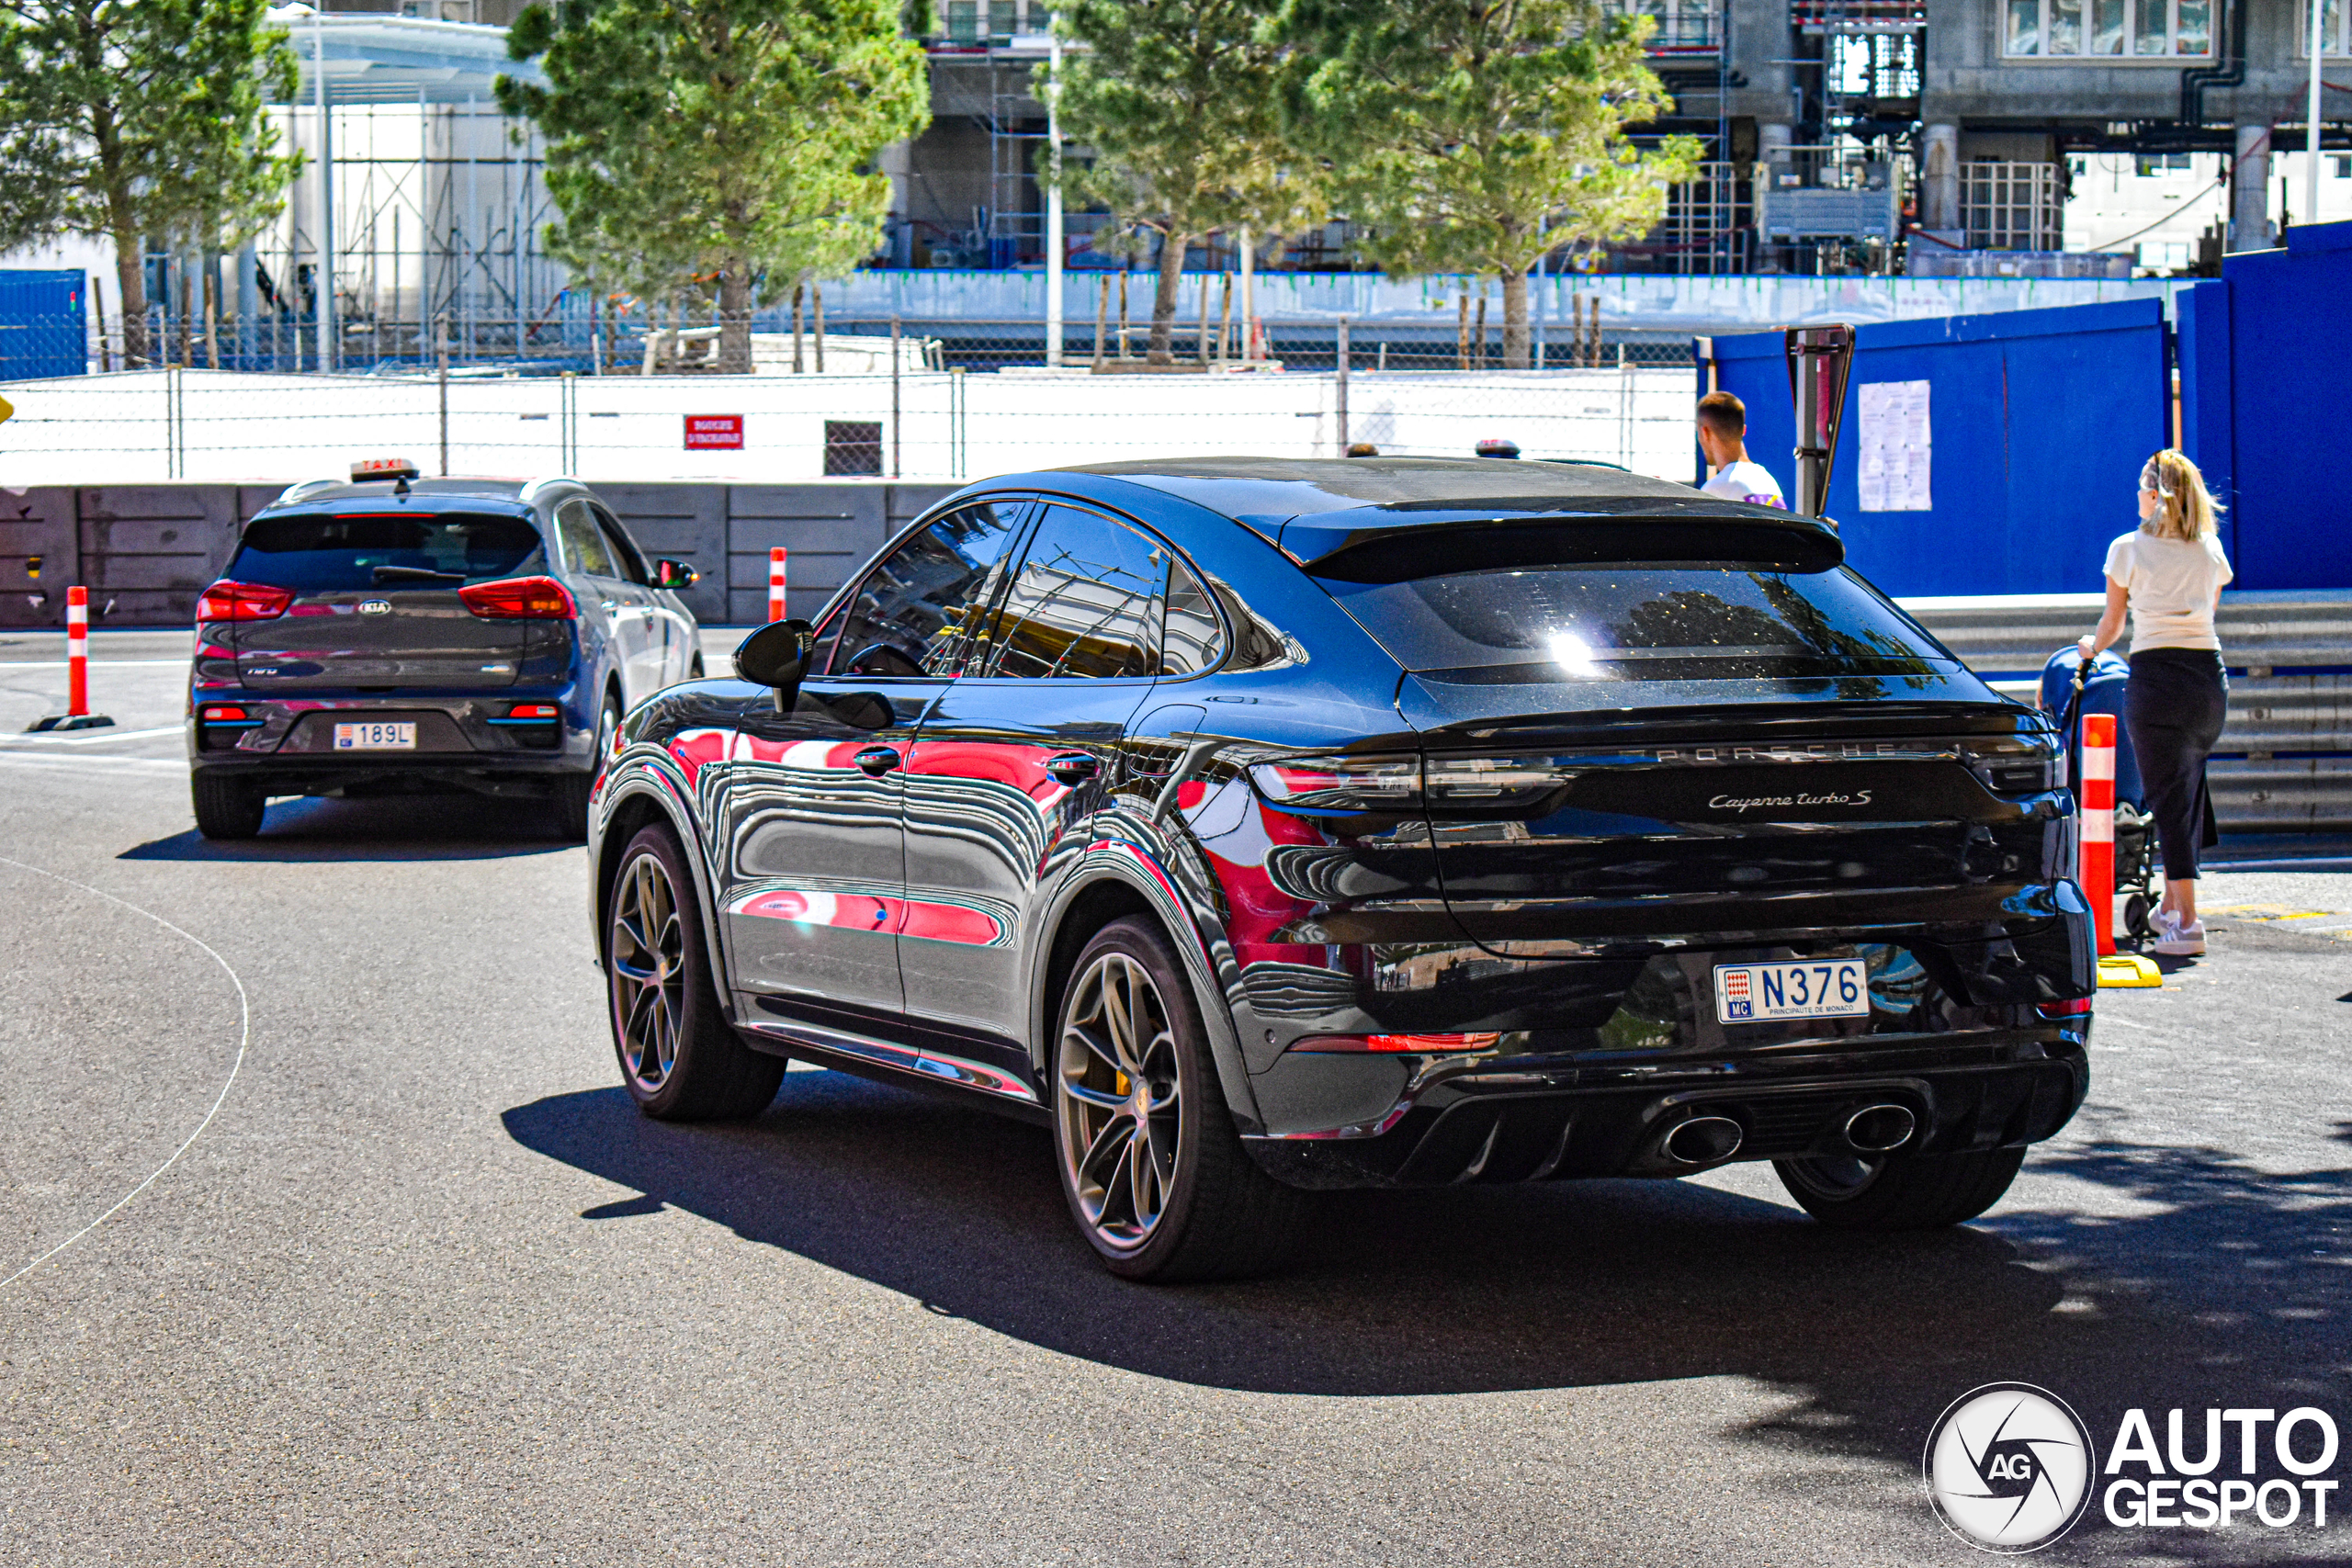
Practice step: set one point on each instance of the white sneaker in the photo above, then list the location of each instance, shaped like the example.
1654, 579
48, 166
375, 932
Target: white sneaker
2176, 940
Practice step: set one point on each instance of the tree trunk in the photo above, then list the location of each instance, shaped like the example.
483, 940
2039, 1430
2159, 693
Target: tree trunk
1514, 319
1164, 300
130, 280
735, 317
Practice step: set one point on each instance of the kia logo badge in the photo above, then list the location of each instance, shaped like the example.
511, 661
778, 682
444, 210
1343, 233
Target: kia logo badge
375, 607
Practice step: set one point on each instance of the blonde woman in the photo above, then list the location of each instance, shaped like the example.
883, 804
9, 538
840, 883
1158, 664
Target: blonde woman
2169, 573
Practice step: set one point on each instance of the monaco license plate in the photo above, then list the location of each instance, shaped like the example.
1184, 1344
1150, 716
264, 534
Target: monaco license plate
1762, 993
371, 736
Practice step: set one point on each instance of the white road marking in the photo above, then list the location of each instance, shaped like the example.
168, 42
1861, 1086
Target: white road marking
2123, 1022
76, 738
97, 663
245, 1037
8, 754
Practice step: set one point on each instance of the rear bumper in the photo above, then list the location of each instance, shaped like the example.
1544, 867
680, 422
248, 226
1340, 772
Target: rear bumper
465, 740
1532, 1118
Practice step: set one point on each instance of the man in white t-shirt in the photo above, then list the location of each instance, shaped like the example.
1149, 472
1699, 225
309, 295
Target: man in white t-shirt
1723, 436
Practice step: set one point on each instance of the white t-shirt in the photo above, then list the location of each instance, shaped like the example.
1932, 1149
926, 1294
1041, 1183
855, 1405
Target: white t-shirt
2173, 583
1746, 481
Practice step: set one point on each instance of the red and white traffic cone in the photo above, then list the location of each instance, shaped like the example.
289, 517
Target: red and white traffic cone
775, 583
2095, 857
77, 714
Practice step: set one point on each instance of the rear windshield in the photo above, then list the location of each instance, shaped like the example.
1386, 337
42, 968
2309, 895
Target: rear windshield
327, 554
1636, 622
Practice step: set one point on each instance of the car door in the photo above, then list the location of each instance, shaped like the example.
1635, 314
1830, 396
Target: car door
666, 640
611, 602
1008, 766
815, 871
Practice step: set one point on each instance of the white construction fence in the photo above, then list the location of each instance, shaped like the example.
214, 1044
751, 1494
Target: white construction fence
158, 425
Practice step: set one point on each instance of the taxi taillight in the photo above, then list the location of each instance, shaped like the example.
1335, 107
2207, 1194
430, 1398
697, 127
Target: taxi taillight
228, 601
519, 599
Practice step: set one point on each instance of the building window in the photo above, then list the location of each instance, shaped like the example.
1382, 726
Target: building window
1684, 27
2332, 38
2112, 29
2177, 165
2341, 167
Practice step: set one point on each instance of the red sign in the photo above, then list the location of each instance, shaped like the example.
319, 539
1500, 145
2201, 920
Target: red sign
713, 432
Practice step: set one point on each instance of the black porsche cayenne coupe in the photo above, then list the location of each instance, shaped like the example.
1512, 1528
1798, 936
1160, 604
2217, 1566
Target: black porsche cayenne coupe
1261, 826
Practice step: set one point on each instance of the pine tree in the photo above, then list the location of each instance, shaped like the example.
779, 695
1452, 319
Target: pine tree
1479, 135
1175, 99
719, 142
139, 120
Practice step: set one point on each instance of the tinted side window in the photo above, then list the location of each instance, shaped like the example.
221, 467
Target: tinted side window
915, 606
1085, 603
1192, 640
584, 545
622, 548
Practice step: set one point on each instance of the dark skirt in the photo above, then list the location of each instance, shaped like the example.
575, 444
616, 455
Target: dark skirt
2174, 708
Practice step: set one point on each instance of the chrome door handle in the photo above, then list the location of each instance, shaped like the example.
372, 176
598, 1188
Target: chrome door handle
1075, 767
876, 760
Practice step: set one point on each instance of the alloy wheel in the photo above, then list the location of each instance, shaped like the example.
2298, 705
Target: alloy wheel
648, 965
1122, 1101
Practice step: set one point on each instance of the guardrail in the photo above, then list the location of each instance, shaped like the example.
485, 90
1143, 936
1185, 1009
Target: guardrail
2284, 763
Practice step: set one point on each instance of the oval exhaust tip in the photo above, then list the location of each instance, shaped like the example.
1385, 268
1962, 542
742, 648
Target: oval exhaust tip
1702, 1140
1880, 1129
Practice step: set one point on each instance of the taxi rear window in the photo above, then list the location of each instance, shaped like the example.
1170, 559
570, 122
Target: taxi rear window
330, 553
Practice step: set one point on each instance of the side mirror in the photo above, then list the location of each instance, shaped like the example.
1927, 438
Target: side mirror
778, 655
675, 575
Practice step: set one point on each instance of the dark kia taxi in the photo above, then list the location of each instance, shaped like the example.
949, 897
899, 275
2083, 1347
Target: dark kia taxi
1261, 826
396, 635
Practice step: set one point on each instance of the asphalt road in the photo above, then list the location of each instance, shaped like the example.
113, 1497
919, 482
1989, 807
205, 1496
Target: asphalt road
422, 1287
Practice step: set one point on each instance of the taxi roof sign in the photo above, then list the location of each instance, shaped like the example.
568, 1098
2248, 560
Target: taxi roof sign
382, 468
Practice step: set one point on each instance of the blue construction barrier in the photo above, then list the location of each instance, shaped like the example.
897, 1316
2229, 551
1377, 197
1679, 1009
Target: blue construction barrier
44, 325
2260, 376
2038, 420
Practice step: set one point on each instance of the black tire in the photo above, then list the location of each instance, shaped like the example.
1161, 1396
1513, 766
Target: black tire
568, 808
1214, 1214
679, 1059
227, 807
1900, 1193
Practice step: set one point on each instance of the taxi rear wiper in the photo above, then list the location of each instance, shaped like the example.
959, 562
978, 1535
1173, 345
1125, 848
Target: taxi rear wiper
419, 574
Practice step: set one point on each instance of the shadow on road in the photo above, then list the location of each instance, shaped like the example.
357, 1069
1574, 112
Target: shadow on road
2223, 1284
417, 827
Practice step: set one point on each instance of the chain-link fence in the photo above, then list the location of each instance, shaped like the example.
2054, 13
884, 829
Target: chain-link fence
589, 337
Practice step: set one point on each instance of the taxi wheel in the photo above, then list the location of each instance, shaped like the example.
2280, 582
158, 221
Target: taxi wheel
1900, 1193
568, 808
227, 808
680, 1060
1150, 1162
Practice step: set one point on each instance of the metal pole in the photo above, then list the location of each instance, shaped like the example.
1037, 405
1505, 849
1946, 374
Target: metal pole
1054, 192
1342, 386
894, 396
2310, 121
1249, 298
325, 281
441, 375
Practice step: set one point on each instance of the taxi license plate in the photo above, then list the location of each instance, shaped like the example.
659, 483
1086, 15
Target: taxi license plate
372, 737
1763, 993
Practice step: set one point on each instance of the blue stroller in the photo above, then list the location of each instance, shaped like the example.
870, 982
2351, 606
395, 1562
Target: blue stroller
2070, 689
